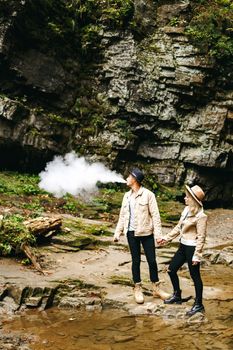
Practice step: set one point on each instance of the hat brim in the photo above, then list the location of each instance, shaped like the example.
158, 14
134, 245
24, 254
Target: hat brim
193, 195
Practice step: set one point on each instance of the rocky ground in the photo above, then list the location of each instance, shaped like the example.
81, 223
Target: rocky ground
101, 276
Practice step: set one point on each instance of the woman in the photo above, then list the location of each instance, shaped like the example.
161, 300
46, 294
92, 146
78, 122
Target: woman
192, 230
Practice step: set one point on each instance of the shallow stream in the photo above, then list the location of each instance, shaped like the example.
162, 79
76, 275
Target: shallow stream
115, 329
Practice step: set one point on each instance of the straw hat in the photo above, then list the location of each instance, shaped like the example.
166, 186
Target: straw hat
197, 193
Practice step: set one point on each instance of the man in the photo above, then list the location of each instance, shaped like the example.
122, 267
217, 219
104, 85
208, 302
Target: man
139, 220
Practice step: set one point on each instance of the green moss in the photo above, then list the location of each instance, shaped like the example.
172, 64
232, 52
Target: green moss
117, 12
170, 213
73, 26
61, 120
123, 128
34, 132
211, 27
174, 22
19, 184
72, 204
35, 206
72, 284
122, 280
13, 233
92, 229
81, 242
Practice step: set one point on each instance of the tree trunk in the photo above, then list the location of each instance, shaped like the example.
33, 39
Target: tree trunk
42, 225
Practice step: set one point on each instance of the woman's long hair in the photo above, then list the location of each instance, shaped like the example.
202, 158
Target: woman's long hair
194, 207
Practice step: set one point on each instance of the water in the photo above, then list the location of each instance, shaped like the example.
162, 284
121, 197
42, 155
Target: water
115, 329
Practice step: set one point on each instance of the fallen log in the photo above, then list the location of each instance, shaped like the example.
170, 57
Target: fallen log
17, 234
42, 225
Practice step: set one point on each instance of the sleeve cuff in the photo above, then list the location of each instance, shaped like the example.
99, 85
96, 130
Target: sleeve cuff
195, 258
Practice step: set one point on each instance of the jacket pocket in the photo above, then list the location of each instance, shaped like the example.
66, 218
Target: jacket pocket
143, 207
144, 203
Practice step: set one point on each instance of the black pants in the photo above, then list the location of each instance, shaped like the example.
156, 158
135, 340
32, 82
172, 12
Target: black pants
148, 244
185, 254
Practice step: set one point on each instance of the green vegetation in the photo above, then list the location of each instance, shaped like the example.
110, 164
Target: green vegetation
122, 126
78, 225
81, 242
21, 194
175, 21
122, 280
73, 26
13, 233
61, 120
91, 111
19, 184
21, 199
169, 207
34, 206
211, 27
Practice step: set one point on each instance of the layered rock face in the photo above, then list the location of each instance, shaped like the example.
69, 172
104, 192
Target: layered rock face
151, 99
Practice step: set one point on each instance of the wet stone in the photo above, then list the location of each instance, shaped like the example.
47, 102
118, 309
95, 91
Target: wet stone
144, 309
75, 302
72, 303
123, 338
8, 306
97, 307
33, 302
197, 318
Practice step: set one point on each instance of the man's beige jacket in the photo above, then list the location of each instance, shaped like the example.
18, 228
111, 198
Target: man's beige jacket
147, 219
192, 231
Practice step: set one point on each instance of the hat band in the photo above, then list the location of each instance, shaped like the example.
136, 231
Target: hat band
195, 195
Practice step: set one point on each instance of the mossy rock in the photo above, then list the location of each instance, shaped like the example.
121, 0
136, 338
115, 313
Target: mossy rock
122, 280
86, 228
81, 242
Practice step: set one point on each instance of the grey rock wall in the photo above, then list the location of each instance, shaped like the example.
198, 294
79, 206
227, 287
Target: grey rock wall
152, 99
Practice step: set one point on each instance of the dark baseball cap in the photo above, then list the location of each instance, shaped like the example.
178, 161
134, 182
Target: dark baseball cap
138, 174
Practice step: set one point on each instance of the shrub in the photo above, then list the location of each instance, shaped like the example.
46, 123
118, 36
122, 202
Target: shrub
211, 27
13, 233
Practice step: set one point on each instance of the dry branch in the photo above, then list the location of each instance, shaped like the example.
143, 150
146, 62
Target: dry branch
27, 250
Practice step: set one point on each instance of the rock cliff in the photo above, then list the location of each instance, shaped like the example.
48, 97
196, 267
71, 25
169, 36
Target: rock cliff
139, 93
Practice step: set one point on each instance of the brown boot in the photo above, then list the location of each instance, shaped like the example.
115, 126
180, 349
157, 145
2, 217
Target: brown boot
158, 292
138, 295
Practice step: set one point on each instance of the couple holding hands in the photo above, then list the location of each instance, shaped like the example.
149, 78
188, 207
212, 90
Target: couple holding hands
139, 220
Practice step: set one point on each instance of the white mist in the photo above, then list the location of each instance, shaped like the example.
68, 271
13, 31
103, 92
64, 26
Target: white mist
74, 175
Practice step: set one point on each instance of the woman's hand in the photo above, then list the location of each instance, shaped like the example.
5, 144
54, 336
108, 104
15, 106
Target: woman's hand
115, 239
161, 241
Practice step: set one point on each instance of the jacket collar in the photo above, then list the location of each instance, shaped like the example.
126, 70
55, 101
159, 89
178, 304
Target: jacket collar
140, 191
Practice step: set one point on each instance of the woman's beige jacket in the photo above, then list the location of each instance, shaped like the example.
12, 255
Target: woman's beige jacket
147, 218
192, 231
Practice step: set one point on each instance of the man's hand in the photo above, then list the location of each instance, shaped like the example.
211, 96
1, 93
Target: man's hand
161, 241
195, 262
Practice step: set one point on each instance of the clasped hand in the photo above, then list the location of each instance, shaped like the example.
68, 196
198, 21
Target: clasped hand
161, 241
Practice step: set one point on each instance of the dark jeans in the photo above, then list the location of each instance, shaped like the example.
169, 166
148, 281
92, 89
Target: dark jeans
148, 244
185, 254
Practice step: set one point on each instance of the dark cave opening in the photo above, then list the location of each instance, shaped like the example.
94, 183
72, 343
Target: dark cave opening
14, 157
